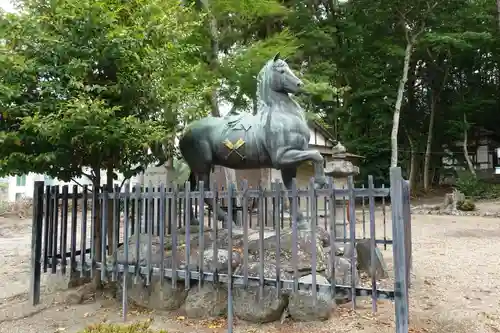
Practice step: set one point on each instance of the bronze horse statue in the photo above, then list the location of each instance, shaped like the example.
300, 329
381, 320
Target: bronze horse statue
276, 137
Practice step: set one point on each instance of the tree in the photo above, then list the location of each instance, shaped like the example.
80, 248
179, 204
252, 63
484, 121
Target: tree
94, 84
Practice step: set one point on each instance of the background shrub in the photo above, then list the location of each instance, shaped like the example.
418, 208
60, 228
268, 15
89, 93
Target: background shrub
476, 188
466, 205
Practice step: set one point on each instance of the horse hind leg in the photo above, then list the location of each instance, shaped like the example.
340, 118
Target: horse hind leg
192, 187
220, 214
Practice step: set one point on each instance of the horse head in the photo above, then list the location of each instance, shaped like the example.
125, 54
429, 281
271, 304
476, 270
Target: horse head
276, 76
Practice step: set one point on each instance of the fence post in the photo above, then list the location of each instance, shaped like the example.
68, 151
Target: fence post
398, 236
36, 243
407, 230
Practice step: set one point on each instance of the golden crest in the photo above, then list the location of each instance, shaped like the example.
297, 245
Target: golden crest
233, 147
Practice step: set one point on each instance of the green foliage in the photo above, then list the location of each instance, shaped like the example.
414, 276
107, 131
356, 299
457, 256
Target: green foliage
87, 83
94, 83
141, 327
466, 205
476, 188
248, 10
240, 69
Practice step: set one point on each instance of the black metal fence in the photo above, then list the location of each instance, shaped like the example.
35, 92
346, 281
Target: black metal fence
104, 233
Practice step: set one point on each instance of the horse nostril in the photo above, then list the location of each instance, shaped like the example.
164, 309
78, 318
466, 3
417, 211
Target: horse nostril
299, 84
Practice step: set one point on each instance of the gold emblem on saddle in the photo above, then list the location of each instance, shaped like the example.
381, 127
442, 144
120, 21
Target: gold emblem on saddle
233, 147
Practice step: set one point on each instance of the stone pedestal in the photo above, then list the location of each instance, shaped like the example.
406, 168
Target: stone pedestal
340, 169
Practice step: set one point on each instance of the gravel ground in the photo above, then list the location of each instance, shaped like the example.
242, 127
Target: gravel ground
455, 287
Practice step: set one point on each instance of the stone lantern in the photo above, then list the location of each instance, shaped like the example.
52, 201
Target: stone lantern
340, 167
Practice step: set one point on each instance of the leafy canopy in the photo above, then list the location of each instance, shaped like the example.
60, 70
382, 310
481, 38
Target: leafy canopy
90, 83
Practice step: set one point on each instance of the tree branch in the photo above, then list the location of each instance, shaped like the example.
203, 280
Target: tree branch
123, 182
90, 177
77, 183
445, 78
429, 53
132, 172
235, 105
419, 32
413, 38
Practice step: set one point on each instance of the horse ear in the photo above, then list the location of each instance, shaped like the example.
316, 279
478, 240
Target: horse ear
277, 56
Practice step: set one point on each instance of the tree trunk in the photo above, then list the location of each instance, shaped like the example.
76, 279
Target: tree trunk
230, 174
428, 147
170, 171
110, 224
413, 168
96, 221
413, 162
399, 102
466, 151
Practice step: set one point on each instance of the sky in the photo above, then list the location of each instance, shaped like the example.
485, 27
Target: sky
6, 5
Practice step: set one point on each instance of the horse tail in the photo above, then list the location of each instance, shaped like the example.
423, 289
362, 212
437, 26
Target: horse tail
192, 177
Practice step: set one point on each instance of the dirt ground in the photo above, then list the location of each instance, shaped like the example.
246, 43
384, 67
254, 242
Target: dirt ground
456, 278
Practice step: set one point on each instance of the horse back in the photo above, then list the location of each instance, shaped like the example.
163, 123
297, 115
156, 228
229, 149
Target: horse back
238, 143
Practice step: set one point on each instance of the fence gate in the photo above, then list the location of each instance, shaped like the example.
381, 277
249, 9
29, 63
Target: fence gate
146, 237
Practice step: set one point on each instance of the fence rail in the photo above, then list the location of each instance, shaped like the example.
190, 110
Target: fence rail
145, 235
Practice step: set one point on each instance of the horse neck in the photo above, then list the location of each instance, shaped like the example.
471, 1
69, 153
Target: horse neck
287, 104
279, 105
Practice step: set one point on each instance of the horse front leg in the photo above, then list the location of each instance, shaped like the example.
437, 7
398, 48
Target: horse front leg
287, 157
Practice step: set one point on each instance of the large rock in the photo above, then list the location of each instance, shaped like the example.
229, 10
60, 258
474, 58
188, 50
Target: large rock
194, 257
305, 244
156, 296
251, 303
343, 271
324, 236
260, 306
303, 306
343, 277
167, 297
208, 301
269, 271
451, 200
223, 238
193, 240
346, 250
221, 262
363, 249
143, 250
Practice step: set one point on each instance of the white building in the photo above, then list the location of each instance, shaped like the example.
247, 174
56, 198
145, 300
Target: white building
23, 186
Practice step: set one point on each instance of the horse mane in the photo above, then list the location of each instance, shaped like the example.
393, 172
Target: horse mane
264, 91
263, 86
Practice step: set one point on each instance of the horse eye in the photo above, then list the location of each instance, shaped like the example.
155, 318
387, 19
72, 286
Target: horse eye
282, 71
